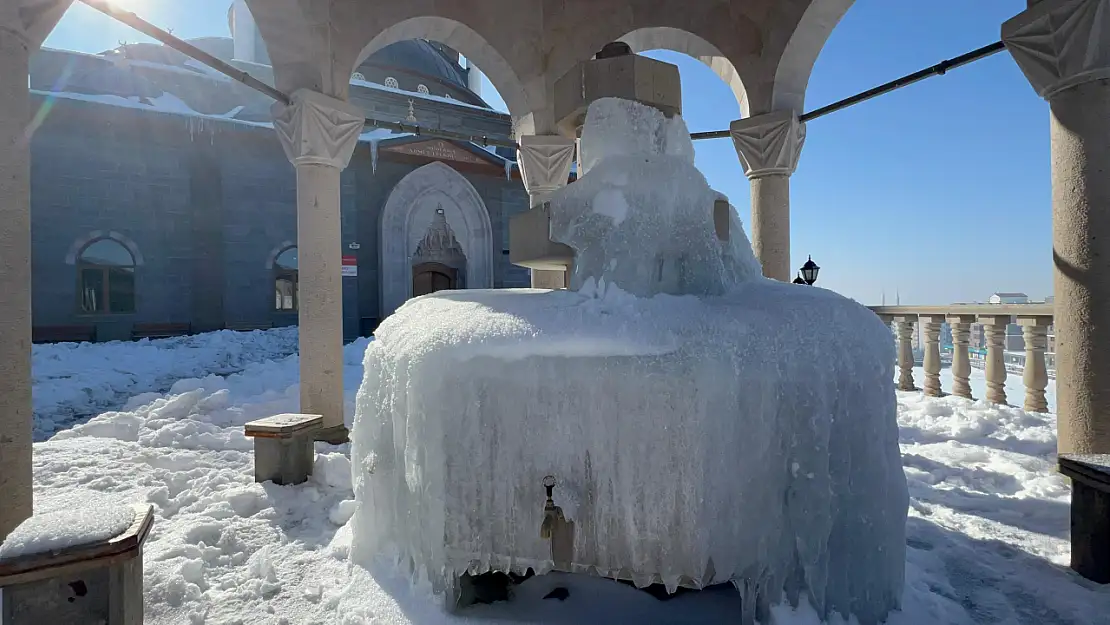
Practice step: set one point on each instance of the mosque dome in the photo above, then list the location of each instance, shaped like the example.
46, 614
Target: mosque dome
415, 65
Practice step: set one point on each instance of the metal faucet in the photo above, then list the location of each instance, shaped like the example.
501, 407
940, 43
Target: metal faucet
557, 529
552, 514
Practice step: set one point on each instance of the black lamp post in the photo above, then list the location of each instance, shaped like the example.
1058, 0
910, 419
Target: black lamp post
799, 280
809, 272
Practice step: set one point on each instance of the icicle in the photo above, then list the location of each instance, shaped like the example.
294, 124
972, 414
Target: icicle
508, 169
374, 155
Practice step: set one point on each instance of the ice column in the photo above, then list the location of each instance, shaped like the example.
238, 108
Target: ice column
319, 134
769, 146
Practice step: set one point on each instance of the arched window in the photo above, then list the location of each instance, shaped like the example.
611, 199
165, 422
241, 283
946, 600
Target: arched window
358, 76
285, 280
392, 83
422, 89
105, 278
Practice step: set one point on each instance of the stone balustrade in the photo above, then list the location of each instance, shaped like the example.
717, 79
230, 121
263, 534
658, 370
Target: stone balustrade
1034, 320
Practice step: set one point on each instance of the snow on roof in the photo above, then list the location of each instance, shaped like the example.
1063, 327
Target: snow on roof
1001, 294
421, 96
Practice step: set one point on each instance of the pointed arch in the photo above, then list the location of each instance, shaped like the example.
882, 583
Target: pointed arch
678, 40
406, 216
800, 54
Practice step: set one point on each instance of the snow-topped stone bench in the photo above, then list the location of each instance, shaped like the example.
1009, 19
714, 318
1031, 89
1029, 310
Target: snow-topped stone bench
283, 447
77, 565
1090, 514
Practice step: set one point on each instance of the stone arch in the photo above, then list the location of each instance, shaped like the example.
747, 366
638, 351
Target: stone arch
800, 54
406, 216
276, 251
82, 242
678, 40
465, 40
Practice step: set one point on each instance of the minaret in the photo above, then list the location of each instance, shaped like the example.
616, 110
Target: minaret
244, 32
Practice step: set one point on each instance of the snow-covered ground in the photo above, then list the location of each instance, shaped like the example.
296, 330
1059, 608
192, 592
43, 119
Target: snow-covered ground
76, 381
987, 534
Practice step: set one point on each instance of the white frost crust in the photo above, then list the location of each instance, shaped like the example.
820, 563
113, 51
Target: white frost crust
704, 424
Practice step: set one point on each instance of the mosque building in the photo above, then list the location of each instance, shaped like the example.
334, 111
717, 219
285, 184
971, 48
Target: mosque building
163, 204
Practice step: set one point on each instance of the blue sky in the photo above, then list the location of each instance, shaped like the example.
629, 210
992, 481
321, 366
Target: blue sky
940, 191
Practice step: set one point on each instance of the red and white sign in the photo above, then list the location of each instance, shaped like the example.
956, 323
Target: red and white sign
350, 266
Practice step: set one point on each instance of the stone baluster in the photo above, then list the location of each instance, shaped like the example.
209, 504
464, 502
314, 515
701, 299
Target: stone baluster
961, 363
930, 328
1034, 331
769, 146
1063, 48
994, 331
545, 162
319, 134
903, 324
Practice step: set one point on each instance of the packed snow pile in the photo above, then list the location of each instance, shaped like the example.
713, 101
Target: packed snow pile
75, 381
80, 522
703, 424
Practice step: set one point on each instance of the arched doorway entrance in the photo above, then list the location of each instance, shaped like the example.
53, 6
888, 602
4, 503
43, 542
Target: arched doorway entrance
439, 259
433, 215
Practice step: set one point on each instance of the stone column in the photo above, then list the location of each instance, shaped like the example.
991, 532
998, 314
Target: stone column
930, 327
319, 134
769, 146
961, 363
994, 332
1034, 331
15, 277
1063, 47
545, 162
903, 324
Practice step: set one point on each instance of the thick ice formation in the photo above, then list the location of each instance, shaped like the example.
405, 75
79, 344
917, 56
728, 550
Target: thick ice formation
704, 424
633, 156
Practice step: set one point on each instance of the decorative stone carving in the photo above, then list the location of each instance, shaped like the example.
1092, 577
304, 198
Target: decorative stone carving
439, 243
403, 220
1059, 44
769, 144
545, 162
318, 130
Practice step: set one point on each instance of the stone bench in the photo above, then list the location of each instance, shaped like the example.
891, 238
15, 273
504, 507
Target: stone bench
97, 582
283, 447
1090, 514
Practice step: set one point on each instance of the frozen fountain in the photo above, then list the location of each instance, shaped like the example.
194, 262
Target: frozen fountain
672, 418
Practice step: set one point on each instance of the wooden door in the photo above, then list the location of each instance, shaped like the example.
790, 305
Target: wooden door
432, 277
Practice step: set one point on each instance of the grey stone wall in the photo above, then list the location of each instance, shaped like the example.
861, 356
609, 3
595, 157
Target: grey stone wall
100, 168
207, 204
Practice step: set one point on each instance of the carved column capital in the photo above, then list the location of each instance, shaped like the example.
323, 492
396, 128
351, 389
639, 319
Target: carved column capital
769, 144
316, 129
1059, 44
545, 162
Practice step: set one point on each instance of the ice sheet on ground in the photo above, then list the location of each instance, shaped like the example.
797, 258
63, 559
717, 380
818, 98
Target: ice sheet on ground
704, 424
81, 522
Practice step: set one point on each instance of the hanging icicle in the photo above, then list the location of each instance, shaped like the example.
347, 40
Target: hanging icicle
508, 170
374, 155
